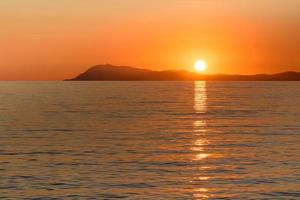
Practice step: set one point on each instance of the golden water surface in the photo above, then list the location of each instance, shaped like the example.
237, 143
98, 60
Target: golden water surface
149, 140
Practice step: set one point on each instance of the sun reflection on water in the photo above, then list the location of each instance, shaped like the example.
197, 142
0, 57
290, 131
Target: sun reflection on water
200, 97
200, 142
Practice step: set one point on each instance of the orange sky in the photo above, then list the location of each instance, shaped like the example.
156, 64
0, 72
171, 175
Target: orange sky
57, 39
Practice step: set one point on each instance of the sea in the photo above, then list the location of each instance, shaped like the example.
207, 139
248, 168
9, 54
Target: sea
150, 140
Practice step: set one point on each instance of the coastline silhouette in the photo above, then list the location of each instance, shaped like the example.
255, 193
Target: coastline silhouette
125, 73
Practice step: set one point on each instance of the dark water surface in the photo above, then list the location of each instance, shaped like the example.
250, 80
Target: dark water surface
150, 140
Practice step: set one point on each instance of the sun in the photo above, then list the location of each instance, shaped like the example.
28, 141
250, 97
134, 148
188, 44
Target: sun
200, 66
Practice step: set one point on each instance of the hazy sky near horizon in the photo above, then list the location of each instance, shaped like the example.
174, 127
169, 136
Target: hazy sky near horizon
57, 39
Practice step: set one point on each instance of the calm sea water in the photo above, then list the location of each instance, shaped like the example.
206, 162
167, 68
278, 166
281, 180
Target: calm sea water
150, 140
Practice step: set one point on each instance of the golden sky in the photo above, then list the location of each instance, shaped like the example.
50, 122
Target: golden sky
57, 39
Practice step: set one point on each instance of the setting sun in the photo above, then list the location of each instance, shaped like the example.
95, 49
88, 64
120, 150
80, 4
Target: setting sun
200, 66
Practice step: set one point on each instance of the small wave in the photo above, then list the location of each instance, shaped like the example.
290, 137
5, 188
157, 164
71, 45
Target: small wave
134, 185
113, 196
51, 130
32, 153
282, 194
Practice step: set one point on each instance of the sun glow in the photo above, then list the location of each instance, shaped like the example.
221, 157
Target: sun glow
200, 66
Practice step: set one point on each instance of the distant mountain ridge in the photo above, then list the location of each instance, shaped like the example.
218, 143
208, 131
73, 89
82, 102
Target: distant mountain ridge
125, 73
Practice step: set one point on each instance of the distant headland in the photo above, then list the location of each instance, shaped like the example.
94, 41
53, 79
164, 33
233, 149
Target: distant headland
124, 73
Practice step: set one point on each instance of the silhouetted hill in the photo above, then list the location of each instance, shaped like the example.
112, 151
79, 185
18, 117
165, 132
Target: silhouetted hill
124, 73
